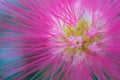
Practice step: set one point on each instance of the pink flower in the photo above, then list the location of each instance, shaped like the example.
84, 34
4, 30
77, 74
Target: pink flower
62, 39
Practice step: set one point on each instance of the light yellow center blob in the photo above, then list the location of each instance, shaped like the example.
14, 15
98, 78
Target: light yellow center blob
79, 31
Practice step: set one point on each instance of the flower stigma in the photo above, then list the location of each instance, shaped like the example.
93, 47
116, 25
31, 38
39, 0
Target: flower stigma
78, 39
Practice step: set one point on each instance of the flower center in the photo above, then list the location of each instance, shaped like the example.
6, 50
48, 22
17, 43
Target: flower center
80, 38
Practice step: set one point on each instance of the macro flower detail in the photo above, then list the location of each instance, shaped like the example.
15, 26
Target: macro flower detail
78, 40
60, 39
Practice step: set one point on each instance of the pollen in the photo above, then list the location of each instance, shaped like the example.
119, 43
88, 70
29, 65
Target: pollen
78, 39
